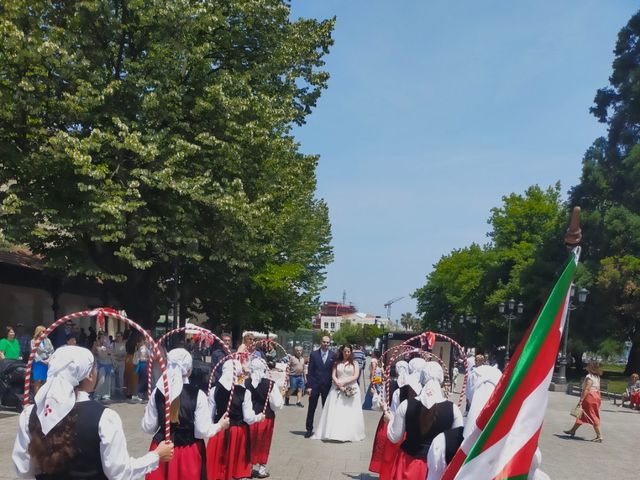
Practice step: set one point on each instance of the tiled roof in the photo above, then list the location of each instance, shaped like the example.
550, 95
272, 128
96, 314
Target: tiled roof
21, 257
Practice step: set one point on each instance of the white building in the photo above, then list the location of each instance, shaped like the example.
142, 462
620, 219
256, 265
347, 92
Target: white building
333, 323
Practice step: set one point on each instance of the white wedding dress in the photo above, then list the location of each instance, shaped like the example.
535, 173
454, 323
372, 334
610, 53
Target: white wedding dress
342, 417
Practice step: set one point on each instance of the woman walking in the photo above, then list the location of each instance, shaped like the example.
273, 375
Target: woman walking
590, 402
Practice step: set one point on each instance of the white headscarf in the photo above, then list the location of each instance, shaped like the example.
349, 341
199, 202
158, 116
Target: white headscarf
68, 366
481, 384
179, 363
431, 377
402, 369
416, 366
230, 369
258, 370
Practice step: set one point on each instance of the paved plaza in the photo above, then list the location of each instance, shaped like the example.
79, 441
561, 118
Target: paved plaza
294, 457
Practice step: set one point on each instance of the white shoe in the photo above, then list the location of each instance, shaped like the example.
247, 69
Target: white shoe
106, 397
136, 398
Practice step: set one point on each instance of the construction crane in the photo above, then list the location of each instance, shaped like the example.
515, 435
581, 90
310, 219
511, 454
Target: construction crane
388, 306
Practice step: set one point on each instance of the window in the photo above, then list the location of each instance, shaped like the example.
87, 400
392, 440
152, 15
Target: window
326, 325
333, 325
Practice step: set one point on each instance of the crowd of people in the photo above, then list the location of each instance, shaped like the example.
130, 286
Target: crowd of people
121, 362
226, 434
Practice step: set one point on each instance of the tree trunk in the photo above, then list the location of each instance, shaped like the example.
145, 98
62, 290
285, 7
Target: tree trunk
137, 298
578, 364
633, 361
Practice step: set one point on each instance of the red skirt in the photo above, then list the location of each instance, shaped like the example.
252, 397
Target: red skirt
407, 467
591, 409
227, 455
186, 463
634, 399
389, 455
379, 442
261, 435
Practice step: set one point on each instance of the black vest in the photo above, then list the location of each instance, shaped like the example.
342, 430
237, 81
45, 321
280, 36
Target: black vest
236, 418
259, 397
86, 463
406, 392
417, 442
393, 386
183, 432
453, 439
221, 397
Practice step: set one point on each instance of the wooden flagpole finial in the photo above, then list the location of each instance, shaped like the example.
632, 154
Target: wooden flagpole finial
573, 237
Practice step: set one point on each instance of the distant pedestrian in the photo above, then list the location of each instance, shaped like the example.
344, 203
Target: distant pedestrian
297, 377
360, 358
119, 357
218, 353
41, 359
9, 346
24, 339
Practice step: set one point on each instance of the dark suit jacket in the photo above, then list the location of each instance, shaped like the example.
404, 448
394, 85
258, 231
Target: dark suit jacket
318, 373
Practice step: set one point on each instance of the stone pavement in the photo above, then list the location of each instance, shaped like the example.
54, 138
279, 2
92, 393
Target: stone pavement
294, 457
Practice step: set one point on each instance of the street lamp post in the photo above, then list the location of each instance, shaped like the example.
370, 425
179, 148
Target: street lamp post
445, 325
467, 319
510, 312
560, 378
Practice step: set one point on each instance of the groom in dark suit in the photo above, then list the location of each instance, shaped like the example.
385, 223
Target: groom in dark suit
319, 379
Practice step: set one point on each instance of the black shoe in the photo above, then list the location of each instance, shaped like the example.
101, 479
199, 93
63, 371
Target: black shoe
286, 401
308, 434
299, 404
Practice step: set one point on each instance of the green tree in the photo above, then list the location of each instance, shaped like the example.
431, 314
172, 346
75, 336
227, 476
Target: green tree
608, 194
356, 334
410, 322
520, 261
141, 138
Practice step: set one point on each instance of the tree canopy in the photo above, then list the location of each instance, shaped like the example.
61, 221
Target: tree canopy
524, 253
519, 261
141, 138
608, 192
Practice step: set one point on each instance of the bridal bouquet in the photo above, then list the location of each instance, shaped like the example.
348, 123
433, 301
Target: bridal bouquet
350, 391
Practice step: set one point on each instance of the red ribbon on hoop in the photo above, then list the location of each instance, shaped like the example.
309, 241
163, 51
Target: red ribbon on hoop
428, 339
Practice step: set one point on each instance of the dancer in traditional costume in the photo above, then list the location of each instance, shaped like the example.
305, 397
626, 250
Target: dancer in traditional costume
422, 419
384, 452
190, 421
229, 452
380, 440
66, 435
480, 385
266, 398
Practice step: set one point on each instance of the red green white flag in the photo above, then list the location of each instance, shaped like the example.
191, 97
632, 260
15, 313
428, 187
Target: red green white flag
505, 439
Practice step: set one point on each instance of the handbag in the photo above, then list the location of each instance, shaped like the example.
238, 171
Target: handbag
576, 411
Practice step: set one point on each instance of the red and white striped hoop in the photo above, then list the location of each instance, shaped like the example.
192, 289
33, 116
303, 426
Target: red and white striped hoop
267, 341
100, 313
189, 328
423, 338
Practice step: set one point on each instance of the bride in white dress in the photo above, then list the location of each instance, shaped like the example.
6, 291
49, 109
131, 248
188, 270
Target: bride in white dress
342, 417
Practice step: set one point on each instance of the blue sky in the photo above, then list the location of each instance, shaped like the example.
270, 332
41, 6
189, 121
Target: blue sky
434, 111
